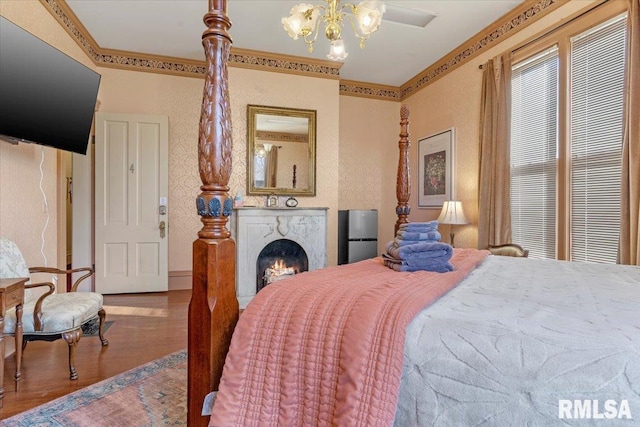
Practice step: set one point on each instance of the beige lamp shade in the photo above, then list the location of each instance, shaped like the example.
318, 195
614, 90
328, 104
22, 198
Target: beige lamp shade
452, 213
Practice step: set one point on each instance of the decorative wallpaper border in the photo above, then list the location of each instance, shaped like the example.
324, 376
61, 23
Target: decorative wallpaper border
150, 63
369, 90
519, 18
244, 58
522, 16
259, 60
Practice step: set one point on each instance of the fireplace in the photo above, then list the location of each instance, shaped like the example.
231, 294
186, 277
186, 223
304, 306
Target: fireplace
280, 259
302, 230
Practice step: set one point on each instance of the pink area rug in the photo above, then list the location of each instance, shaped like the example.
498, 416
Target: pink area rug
154, 394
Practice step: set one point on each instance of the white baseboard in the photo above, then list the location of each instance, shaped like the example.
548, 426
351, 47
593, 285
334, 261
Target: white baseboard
179, 280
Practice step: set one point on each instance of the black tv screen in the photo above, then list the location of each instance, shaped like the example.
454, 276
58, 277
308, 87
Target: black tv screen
46, 97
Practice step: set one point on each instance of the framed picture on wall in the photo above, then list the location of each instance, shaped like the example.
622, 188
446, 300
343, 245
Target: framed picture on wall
435, 169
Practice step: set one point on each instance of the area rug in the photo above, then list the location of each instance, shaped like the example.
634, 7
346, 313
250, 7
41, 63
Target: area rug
154, 394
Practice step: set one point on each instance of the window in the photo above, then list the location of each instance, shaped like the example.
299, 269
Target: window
597, 85
565, 167
534, 140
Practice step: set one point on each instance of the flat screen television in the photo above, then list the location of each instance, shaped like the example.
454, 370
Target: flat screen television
46, 97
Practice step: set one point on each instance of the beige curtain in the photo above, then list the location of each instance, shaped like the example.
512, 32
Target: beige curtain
494, 200
630, 191
272, 167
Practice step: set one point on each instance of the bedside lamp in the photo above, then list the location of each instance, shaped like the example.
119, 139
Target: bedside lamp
453, 214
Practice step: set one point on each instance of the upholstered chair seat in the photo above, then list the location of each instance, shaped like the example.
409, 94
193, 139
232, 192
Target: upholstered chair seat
60, 313
509, 249
48, 315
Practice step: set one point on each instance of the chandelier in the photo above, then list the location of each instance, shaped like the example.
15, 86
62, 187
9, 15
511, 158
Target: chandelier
304, 20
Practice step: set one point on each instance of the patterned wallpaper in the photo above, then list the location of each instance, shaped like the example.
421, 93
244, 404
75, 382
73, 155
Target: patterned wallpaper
369, 159
347, 128
180, 97
452, 102
291, 91
22, 216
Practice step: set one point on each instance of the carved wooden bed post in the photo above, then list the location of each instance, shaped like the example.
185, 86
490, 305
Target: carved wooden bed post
403, 186
213, 310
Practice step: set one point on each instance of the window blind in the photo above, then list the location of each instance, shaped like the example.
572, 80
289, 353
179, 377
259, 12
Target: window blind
534, 135
597, 91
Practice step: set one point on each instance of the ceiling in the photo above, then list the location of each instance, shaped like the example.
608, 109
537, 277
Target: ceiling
392, 56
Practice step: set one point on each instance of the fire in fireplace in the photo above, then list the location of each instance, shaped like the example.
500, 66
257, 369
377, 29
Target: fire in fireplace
279, 259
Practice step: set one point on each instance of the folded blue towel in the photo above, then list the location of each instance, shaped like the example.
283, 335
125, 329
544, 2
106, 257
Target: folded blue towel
421, 227
415, 235
438, 267
402, 242
420, 263
419, 250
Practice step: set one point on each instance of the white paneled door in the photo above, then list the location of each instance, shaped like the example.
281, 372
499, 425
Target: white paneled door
131, 203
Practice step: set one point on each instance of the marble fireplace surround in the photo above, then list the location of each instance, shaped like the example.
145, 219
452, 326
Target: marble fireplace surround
254, 228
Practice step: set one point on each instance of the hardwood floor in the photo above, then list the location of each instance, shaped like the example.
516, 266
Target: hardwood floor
147, 326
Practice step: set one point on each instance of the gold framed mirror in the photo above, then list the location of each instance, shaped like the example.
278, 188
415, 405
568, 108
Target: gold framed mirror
281, 151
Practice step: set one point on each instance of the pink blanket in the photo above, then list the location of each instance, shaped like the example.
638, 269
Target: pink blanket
326, 347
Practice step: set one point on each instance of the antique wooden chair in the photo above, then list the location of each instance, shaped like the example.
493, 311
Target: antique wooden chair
509, 249
48, 315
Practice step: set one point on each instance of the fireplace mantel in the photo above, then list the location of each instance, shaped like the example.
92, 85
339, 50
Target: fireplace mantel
254, 228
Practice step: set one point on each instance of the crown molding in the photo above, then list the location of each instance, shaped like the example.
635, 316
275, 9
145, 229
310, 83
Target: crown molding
243, 58
519, 18
125, 60
369, 90
265, 61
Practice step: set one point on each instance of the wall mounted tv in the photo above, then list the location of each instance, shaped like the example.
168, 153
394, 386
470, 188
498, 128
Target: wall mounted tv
46, 97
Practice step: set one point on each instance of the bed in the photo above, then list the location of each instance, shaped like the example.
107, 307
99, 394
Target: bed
498, 341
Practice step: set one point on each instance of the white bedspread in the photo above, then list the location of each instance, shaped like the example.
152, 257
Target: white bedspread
517, 336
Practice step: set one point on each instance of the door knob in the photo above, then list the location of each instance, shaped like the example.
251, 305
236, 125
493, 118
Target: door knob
163, 227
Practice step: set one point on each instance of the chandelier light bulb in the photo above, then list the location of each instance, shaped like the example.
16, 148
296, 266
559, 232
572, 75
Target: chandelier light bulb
369, 16
304, 20
337, 51
301, 21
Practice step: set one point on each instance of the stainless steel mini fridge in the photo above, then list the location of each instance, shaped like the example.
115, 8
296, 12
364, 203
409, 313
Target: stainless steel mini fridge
357, 235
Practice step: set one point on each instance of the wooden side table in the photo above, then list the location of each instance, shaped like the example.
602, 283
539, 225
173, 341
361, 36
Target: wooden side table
11, 295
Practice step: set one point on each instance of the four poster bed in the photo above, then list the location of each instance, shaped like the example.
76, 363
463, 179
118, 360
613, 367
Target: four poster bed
499, 340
